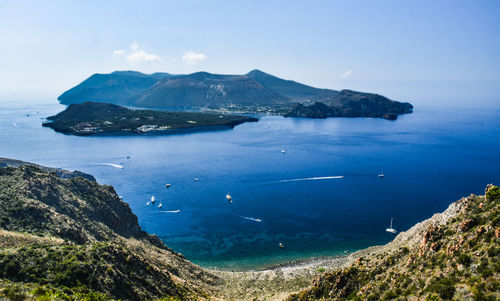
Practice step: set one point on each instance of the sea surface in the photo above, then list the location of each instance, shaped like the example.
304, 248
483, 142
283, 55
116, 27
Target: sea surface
321, 197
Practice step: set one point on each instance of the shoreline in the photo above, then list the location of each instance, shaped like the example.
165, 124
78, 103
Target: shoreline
278, 281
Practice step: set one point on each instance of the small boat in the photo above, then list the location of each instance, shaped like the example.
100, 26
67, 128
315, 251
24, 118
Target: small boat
159, 206
153, 199
148, 203
229, 198
346, 252
283, 151
167, 185
128, 157
381, 174
196, 179
120, 197
390, 229
281, 245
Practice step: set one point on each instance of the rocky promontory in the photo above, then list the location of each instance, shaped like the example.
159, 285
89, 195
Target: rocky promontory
352, 104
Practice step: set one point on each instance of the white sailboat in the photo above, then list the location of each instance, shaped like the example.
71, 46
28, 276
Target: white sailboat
390, 229
381, 174
159, 206
153, 199
229, 198
283, 151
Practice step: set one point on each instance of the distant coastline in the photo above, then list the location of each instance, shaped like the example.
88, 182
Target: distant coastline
93, 118
256, 92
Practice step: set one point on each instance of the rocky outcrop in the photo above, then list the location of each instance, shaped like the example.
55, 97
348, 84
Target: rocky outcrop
62, 173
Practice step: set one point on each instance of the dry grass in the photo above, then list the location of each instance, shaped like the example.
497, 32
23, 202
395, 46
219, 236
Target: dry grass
9, 239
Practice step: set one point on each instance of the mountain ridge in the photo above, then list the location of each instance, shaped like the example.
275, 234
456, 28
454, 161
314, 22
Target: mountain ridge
253, 92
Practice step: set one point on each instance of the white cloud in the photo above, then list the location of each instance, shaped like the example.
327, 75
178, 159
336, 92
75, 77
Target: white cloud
136, 55
134, 46
346, 74
192, 58
119, 52
140, 56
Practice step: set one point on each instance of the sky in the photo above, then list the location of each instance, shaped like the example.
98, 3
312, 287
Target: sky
417, 51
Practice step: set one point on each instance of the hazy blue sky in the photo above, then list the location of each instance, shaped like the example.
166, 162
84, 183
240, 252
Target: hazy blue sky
406, 50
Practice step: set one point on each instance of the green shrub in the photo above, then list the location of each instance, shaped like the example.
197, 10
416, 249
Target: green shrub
493, 194
464, 259
444, 287
15, 293
432, 297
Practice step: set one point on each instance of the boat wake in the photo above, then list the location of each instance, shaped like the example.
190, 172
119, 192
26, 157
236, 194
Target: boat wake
171, 211
109, 164
312, 179
258, 220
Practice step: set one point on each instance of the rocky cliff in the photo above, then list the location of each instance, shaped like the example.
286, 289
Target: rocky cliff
73, 239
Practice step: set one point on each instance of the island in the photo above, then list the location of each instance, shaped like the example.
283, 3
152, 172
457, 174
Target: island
71, 238
90, 118
352, 104
254, 92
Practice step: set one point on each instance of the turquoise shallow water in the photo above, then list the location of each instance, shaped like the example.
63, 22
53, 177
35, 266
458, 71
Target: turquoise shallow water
430, 158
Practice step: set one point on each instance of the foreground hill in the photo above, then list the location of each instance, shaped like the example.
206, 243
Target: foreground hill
92, 118
453, 255
72, 239
253, 92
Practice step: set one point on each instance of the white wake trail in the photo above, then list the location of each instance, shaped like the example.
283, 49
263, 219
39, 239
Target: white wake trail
258, 220
312, 179
110, 164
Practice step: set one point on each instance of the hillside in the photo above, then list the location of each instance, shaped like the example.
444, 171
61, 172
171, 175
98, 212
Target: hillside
453, 255
72, 239
254, 92
91, 118
119, 87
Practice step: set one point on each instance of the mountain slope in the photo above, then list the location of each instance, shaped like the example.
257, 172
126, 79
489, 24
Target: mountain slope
203, 89
293, 90
77, 238
119, 87
453, 255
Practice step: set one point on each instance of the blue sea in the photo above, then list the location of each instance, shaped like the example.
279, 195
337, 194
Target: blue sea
321, 197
